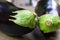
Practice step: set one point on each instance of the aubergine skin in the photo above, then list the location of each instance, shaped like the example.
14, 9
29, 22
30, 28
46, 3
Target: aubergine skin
13, 30
6, 9
49, 23
40, 8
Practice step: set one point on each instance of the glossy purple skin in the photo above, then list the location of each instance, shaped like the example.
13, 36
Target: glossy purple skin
7, 26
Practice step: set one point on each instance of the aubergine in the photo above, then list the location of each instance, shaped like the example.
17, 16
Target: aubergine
20, 27
41, 7
9, 27
49, 23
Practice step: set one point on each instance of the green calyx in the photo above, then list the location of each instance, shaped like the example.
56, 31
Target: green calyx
24, 18
49, 23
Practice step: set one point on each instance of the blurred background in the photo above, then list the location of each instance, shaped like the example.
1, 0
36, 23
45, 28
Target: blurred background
27, 4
